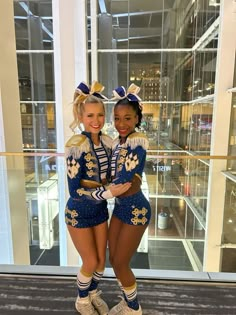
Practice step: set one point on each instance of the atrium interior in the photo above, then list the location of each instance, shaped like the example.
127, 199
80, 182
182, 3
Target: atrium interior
182, 55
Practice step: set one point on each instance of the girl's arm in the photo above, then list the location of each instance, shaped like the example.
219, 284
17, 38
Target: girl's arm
75, 147
132, 164
74, 176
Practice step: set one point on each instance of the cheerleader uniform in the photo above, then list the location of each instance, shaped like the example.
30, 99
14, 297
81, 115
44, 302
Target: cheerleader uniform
87, 168
127, 165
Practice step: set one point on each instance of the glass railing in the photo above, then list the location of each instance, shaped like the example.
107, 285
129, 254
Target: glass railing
178, 186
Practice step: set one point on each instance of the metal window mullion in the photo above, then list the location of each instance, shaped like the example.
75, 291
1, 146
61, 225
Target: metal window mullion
94, 37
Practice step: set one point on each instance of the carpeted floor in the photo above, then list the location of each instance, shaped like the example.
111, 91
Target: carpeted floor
32, 295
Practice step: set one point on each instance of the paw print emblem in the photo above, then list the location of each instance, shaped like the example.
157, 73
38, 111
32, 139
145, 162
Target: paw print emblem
72, 168
131, 162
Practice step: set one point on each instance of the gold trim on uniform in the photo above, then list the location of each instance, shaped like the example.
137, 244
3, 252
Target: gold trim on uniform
88, 157
139, 177
86, 183
80, 191
123, 152
121, 160
77, 145
119, 167
73, 222
136, 212
137, 139
75, 141
73, 214
136, 221
90, 173
90, 165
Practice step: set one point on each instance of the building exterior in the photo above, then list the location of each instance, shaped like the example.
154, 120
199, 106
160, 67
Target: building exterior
182, 55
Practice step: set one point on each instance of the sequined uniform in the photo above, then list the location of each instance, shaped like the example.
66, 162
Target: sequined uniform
88, 165
128, 160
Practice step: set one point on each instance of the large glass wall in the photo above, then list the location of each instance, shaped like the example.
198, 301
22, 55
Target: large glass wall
34, 44
229, 241
169, 49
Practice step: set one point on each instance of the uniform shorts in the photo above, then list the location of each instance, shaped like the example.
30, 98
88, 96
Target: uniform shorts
133, 210
84, 212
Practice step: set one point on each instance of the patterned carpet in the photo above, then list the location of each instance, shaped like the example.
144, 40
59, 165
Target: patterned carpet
25, 295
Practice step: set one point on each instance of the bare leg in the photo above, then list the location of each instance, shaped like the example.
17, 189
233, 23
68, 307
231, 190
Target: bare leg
100, 236
85, 244
91, 244
123, 241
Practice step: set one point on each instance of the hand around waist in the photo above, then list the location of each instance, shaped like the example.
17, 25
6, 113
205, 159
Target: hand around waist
133, 189
119, 189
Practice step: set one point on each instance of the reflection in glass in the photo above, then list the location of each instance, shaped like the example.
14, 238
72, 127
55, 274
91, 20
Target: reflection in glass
38, 126
231, 166
177, 86
229, 213
33, 24
36, 78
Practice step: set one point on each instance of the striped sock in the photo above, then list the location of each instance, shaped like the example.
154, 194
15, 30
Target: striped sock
97, 275
83, 283
131, 296
122, 289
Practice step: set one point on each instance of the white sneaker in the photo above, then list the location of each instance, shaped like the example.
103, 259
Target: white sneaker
128, 310
123, 309
85, 307
99, 304
118, 308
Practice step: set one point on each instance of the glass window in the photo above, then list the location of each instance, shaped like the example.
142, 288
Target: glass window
33, 24
38, 126
235, 72
229, 213
232, 135
36, 76
152, 24
156, 45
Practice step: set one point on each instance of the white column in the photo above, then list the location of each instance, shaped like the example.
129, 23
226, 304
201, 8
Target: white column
14, 236
220, 135
71, 67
